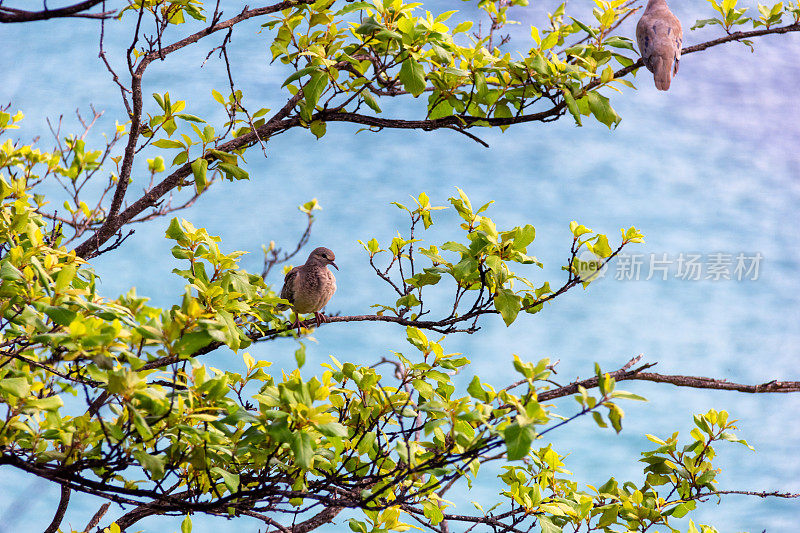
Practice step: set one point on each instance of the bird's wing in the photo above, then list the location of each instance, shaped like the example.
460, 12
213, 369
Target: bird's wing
641, 37
678, 40
287, 292
660, 36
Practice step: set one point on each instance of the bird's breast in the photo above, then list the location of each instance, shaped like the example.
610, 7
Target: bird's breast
313, 290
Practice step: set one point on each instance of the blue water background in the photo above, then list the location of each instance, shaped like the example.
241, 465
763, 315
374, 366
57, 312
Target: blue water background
711, 166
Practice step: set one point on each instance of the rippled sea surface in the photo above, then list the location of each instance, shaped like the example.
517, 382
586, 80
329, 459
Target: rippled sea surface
712, 166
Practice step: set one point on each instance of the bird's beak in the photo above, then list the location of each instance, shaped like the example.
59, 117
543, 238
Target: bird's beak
334, 265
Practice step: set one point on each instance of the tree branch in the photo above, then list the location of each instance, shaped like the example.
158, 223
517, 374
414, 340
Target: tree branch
696, 382
150, 198
97, 517
60, 510
10, 14
762, 494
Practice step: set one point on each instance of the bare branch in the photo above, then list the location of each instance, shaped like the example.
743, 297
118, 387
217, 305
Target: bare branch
97, 517
10, 14
61, 510
680, 381
760, 494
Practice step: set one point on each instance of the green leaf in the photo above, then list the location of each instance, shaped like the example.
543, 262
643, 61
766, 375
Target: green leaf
572, 106
170, 127
358, 527
200, 169
355, 6
584, 27
501, 110
313, 89
680, 510
476, 390
167, 143
371, 102
303, 449
619, 42
369, 26
333, 429
190, 343
156, 164
231, 480
601, 247
154, 464
10, 272
65, 277
462, 27
175, 231
60, 315
453, 246
412, 76
300, 355
424, 388
51, 403
508, 304
157, 97
208, 133
142, 427
190, 118
234, 172
424, 278
625, 395
598, 418
615, 415
186, 525
609, 516
548, 526
408, 301
578, 229
299, 74
726, 435
19, 387
600, 106
432, 511
518, 440
318, 128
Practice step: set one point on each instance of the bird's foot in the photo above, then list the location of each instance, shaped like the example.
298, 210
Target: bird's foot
296, 324
321, 319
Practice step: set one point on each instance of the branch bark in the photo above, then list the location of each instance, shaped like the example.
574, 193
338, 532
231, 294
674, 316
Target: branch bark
151, 197
97, 517
10, 14
697, 382
60, 510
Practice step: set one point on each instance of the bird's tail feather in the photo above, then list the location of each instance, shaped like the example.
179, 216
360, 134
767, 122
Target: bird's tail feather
662, 73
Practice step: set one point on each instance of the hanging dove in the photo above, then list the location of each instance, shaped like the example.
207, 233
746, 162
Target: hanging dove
310, 286
659, 35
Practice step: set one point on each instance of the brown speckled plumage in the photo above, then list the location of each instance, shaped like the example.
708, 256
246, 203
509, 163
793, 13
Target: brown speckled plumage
309, 287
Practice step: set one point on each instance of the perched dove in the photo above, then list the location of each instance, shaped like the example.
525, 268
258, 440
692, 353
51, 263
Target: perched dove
659, 35
310, 286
